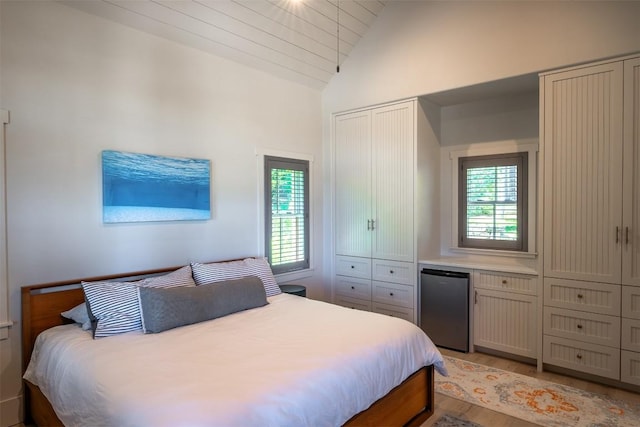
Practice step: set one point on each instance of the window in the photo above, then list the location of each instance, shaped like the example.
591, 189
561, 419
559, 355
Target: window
492, 205
286, 213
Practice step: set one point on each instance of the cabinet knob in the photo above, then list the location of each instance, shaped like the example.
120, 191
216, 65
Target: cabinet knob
578, 356
390, 294
353, 287
579, 326
580, 296
353, 266
504, 281
390, 271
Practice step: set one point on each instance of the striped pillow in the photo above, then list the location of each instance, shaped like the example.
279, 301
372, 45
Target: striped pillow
114, 307
221, 271
180, 277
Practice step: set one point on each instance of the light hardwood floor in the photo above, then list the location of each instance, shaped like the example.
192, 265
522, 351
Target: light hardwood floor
487, 418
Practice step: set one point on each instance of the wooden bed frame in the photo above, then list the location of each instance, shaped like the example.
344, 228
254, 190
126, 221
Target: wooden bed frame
409, 404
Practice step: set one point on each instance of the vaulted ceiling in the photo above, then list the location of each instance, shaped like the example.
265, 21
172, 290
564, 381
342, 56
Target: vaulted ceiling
300, 40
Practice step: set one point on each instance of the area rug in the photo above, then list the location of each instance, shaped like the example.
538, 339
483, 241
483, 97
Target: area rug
530, 399
451, 421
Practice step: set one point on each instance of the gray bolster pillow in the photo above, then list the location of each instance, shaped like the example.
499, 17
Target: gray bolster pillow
168, 308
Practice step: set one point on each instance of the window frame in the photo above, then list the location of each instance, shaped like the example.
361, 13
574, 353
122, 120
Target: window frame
271, 162
520, 160
453, 153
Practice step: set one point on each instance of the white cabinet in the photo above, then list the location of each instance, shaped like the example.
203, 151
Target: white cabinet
505, 307
375, 238
631, 186
583, 173
374, 182
591, 148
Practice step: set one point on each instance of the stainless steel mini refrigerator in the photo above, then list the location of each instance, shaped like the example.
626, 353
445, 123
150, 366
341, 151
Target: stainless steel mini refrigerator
444, 308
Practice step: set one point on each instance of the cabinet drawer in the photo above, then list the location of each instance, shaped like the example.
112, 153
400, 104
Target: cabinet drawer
392, 293
581, 356
631, 302
603, 298
582, 326
353, 266
505, 282
393, 311
394, 271
630, 334
630, 367
355, 303
352, 287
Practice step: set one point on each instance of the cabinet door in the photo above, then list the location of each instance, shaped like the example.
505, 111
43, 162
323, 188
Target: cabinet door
583, 173
505, 321
631, 248
393, 161
353, 184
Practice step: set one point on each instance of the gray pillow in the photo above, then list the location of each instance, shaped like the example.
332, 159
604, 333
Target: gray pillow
164, 309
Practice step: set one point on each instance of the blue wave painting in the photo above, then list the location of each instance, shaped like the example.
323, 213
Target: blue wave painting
144, 187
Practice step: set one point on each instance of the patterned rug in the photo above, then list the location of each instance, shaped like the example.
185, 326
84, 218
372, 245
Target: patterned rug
533, 400
451, 421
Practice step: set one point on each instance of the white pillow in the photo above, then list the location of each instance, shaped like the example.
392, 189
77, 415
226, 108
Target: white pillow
221, 271
114, 307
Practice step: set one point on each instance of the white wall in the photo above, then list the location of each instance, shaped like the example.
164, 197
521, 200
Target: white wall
495, 122
422, 47
76, 84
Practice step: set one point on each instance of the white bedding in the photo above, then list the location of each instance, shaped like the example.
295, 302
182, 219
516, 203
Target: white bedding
295, 362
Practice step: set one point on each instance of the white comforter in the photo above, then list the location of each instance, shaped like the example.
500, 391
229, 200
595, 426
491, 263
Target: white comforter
295, 362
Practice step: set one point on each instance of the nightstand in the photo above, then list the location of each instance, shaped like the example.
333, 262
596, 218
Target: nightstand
299, 290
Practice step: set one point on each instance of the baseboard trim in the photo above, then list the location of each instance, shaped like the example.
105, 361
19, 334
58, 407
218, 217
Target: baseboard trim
504, 355
589, 377
11, 412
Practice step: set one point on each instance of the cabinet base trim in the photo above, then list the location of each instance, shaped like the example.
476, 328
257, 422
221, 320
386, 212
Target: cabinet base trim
589, 377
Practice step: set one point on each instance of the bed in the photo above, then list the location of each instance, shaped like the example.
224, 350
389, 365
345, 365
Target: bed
293, 361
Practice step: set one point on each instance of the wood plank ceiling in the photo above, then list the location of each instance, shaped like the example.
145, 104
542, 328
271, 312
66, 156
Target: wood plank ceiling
292, 39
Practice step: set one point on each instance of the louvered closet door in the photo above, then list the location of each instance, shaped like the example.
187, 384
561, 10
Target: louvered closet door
583, 174
353, 184
631, 222
393, 146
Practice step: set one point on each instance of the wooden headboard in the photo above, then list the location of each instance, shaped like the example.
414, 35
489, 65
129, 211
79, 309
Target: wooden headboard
43, 303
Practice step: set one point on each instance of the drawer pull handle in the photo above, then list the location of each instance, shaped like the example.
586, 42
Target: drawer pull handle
580, 296
353, 266
579, 356
390, 294
579, 326
504, 282
390, 271
353, 287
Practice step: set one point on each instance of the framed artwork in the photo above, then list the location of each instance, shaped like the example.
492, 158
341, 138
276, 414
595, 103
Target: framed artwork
144, 187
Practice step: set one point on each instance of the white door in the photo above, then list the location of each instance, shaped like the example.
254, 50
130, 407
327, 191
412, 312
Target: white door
631, 203
393, 160
583, 173
353, 184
